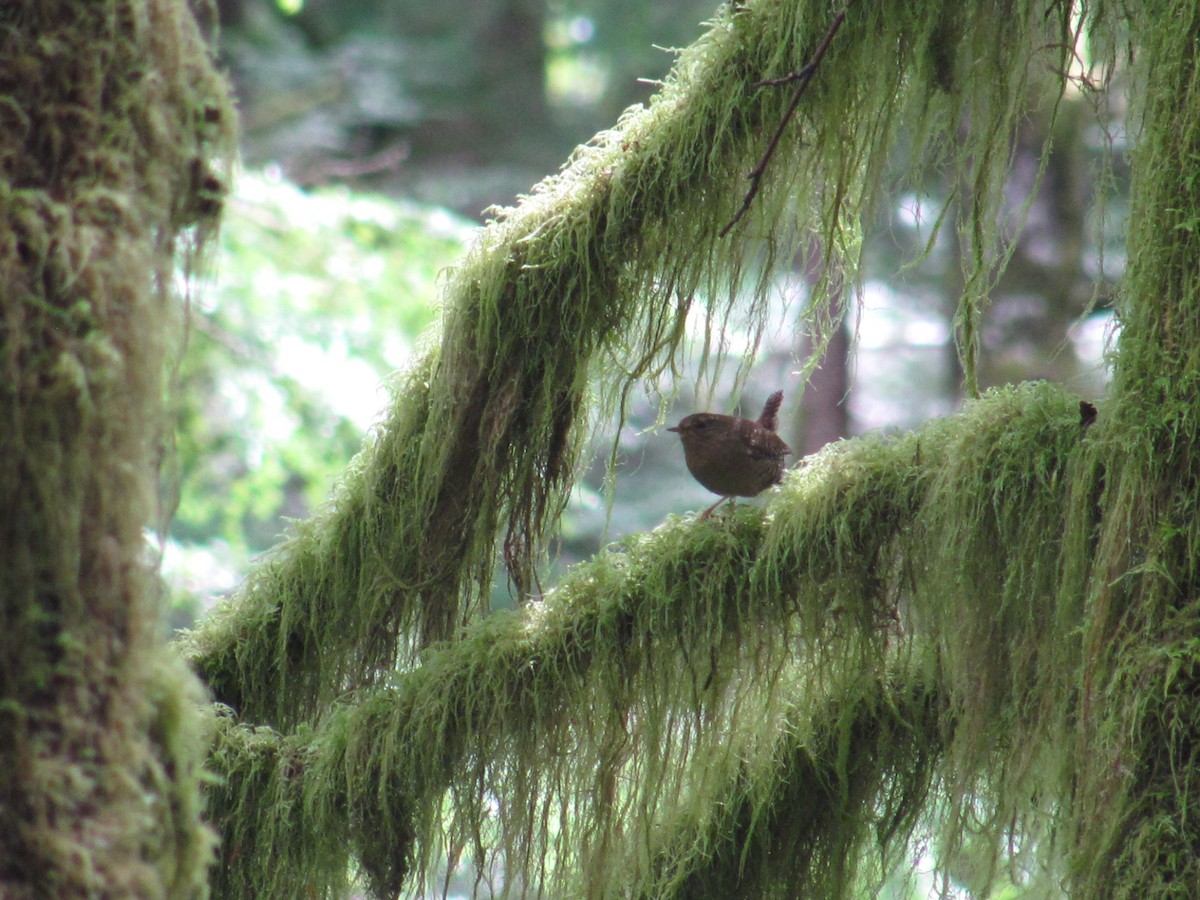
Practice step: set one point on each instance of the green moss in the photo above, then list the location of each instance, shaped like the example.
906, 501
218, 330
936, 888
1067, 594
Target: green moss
662, 695
115, 137
980, 636
581, 292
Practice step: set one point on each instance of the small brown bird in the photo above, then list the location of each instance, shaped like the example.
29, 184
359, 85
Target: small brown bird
732, 456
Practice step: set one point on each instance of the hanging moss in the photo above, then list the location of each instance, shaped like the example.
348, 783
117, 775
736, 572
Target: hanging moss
586, 286
115, 130
847, 777
662, 696
982, 635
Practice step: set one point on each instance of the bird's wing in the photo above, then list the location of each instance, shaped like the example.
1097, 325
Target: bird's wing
766, 445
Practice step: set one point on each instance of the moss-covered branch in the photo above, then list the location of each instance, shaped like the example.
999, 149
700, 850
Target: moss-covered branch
829, 813
634, 696
586, 286
639, 730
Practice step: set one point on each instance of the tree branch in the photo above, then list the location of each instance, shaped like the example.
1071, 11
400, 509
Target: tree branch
804, 77
677, 632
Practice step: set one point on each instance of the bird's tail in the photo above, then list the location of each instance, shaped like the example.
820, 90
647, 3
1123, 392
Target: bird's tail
770, 414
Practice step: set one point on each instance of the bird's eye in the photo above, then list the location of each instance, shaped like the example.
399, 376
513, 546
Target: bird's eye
701, 423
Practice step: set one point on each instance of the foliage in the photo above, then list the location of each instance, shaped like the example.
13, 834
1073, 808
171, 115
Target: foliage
320, 296
404, 95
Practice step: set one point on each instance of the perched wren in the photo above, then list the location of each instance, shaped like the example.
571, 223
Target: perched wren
732, 456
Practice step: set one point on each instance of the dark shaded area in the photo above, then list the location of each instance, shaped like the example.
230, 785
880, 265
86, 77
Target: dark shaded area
445, 102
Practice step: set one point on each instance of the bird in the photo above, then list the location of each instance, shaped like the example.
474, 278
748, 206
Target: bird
732, 456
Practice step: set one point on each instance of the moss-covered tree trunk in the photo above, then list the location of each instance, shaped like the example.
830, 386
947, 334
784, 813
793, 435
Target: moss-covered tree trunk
1138, 799
109, 114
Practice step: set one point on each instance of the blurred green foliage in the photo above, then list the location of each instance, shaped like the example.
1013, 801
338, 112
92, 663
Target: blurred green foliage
318, 297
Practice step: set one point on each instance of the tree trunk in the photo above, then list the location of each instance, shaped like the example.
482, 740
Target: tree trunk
110, 113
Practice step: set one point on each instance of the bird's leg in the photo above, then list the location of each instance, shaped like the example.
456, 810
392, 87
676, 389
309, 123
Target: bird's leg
708, 512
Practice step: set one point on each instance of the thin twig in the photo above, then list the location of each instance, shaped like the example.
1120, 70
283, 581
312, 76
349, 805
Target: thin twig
804, 77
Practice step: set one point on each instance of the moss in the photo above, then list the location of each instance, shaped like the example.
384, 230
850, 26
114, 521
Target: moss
980, 636
115, 134
581, 292
636, 728
849, 773
1136, 832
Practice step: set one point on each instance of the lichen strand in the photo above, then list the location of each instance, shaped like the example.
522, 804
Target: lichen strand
114, 130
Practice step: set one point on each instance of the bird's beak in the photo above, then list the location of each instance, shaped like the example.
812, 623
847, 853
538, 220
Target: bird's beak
674, 428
